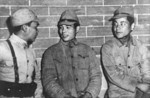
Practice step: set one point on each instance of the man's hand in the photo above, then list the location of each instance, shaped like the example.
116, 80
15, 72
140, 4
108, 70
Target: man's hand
144, 87
69, 96
86, 95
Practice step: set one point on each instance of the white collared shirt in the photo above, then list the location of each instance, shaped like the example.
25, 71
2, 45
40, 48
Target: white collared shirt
25, 59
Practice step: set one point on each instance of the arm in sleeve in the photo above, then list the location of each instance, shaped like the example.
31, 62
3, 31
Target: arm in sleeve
95, 75
49, 77
145, 64
39, 89
37, 75
114, 74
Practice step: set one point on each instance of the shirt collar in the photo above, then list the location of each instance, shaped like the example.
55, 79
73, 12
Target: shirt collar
130, 42
20, 42
71, 43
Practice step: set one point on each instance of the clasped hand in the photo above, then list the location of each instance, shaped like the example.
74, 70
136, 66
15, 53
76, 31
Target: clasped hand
86, 95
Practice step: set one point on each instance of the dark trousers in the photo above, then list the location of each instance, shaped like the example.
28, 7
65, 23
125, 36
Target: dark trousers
140, 94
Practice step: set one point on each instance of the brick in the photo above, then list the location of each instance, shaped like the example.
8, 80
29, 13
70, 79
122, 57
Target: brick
101, 10
39, 66
145, 39
108, 38
48, 21
141, 29
4, 11
43, 33
54, 32
84, 2
39, 52
38, 72
48, 2
3, 22
99, 31
144, 19
119, 2
4, 33
91, 20
143, 1
36, 10
142, 9
82, 32
97, 50
59, 10
40, 10
92, 41
44, 43
14, 2
107, 22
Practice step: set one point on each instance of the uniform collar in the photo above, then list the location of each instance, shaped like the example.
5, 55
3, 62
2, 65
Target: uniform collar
130, 42
70, 44
20, 42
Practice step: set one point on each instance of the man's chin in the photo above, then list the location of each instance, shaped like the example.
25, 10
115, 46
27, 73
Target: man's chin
65, 40
119, 36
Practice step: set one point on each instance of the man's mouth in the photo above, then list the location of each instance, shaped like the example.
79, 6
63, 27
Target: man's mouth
118, 32
64, 36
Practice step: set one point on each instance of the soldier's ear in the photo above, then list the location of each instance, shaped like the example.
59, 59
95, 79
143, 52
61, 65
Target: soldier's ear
132, 26
24, 28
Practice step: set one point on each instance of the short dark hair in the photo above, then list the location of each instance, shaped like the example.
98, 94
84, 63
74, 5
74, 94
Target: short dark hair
130, 19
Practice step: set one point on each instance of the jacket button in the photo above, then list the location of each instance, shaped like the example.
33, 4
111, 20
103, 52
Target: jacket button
8, 89
76, 79
71, 56
73, 67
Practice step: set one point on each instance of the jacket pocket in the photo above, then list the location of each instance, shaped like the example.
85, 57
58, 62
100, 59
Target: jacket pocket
83, 62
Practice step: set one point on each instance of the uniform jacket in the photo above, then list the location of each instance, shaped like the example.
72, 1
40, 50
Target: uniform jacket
124, 66
70, 68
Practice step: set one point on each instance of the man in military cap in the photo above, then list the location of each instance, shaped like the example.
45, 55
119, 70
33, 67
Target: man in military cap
70, 69
125, 59
17, 58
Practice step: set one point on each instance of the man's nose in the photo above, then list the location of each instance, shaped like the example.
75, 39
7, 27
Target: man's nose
64, 30
118, 26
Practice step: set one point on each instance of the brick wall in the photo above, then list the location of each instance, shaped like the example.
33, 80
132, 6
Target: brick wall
93, 15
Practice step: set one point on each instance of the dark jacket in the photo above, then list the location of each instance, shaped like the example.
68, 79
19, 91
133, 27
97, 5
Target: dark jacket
70, 69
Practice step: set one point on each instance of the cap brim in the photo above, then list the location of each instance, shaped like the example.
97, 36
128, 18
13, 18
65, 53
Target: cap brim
66, 23
36, 19
118, 16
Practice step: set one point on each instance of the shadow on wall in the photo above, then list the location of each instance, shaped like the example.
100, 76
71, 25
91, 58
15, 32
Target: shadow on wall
9, 26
